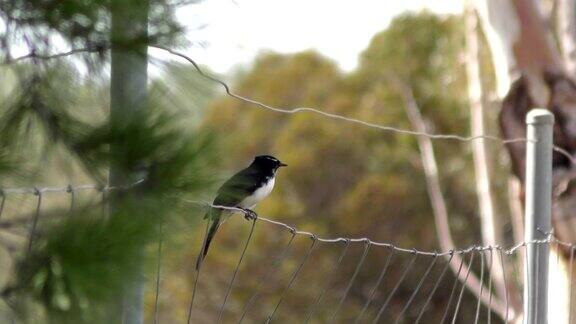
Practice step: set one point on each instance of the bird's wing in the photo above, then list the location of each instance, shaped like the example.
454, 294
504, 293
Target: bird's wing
237, 188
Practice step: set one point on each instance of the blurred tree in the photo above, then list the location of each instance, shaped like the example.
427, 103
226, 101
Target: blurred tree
79, 266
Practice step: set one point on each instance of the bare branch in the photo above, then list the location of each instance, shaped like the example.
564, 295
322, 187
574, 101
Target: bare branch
491, 232
438, 202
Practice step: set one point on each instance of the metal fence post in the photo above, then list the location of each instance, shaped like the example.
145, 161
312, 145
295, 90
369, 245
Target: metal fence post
538, 214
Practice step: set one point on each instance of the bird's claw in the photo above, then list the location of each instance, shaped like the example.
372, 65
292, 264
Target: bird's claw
249, 214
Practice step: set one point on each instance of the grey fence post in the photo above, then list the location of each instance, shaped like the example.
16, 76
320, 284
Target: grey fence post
538, 214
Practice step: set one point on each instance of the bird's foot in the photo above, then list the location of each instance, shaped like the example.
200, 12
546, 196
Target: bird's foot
249, 214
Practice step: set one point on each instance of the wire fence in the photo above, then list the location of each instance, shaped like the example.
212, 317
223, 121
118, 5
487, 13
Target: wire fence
386, 300
328, 294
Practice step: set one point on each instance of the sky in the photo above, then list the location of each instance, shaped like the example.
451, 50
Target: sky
228, 33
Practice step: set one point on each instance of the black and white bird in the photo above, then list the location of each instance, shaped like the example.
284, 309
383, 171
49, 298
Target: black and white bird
244, 190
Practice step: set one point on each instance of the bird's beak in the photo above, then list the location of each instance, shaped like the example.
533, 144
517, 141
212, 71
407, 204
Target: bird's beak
283, 164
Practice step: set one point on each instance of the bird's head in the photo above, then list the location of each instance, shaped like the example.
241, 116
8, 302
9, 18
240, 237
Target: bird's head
267, 162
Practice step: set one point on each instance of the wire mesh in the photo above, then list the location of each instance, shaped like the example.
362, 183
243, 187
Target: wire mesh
388, 299
369, 301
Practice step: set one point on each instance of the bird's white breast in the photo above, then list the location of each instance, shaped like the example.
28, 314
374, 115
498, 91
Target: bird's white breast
258, 195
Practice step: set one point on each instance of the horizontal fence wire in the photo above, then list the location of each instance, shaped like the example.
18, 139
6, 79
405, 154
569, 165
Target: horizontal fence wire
453, 311
260, 104
333, 116
431, 274
40, 192
251, 215
227, 88
69, 188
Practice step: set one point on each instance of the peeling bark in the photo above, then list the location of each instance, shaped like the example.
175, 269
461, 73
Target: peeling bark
567, 34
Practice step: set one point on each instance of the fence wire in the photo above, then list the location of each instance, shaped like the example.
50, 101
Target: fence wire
385, 301
388, 299
228, 90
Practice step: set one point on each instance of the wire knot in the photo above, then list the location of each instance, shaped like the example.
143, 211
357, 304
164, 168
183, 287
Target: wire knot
249, 214
37, 191
69, 188
292, 229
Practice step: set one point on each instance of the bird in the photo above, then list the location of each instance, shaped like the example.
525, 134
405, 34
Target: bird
243, 190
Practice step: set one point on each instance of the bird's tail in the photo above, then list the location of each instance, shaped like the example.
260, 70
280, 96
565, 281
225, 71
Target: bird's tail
206, 244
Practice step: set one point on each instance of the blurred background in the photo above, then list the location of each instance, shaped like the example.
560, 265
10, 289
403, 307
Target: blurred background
92, 93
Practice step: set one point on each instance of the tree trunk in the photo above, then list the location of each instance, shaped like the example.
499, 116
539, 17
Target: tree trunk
567, 34
491, 229
522, 49
520, 44
128, 92
439, 204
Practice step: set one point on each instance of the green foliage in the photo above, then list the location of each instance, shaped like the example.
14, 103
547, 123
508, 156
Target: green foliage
83, 260
81, 23
80, 267
53, 122
37, 101
80, 264
39, 115
150, 141
425, 54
